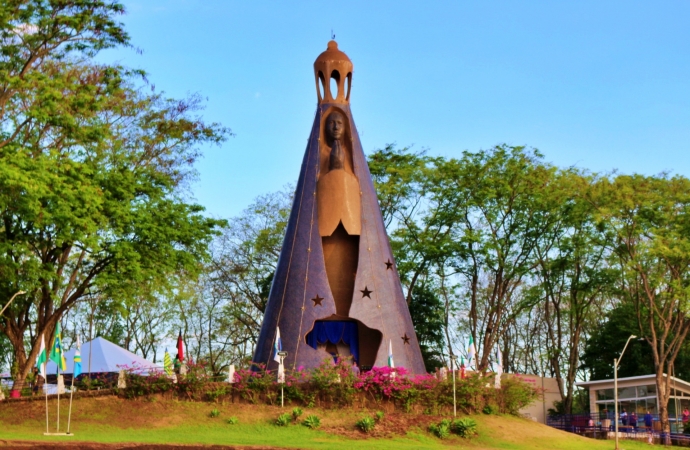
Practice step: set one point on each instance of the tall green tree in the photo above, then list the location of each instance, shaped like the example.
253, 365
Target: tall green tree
650, 222
501, 201
469, 226
574, 279
90, 167
428, 318
421, 236
220, 315
608, 338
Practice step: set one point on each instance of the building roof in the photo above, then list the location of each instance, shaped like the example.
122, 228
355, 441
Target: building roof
105, 357
643, 379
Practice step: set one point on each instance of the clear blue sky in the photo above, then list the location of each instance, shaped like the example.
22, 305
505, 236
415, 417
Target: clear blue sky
597, 84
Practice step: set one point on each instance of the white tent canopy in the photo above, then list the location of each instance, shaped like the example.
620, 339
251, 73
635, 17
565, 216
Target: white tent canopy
105, 357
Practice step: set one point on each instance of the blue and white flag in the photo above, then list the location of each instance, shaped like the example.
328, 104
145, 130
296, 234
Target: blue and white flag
277, 346
471, 352
77, 359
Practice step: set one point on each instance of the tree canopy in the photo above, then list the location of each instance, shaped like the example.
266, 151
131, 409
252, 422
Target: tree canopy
91, 166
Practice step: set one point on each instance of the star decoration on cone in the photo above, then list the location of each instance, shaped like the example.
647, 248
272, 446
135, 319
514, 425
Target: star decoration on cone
389, 264
366, 292
406, 339
317, 300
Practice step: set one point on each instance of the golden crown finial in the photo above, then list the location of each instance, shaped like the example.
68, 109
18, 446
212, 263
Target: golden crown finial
333, 64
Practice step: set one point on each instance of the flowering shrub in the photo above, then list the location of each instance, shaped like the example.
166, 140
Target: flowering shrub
253, 384
142, 382
334, 384
194, 381
383, 381
154, 383
515, 394
96, 381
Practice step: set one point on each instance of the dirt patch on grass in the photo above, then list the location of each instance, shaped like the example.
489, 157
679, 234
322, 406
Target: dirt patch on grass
393, 424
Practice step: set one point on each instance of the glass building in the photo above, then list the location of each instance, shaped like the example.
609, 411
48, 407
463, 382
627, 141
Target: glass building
638, 394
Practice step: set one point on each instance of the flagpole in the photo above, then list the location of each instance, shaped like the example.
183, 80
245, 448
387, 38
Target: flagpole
57, 429
453, 359
75, 374
281, 377
71, 393
45, 389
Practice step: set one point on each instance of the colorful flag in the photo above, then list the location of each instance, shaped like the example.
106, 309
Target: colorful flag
180, 347
77, 360
56, 354
462, 367
471, 352
167, 363
390, 354
277, 346
42, 358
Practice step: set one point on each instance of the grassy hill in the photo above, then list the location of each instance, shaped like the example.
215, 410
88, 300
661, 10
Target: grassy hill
114, 420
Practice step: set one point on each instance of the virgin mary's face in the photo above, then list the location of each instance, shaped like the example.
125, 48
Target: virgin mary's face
335, 126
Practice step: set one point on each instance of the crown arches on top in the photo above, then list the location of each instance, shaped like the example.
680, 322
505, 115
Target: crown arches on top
333, 73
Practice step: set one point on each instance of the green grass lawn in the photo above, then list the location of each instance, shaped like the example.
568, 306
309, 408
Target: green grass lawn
113, 420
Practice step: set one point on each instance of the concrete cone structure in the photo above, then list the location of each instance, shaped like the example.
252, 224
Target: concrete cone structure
336, 291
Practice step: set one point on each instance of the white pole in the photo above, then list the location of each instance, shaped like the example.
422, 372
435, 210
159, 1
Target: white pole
281, 376
57, 430
282, 398
615, 396
91, 343
452, 368
615, 384
71, 393
45, 389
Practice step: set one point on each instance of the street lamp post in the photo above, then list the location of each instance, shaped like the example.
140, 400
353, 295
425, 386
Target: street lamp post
281, 376
616, 361
453, 364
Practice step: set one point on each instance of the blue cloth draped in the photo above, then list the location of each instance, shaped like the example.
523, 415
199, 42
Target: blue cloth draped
335, 332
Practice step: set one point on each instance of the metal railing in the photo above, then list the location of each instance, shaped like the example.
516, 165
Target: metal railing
600, 426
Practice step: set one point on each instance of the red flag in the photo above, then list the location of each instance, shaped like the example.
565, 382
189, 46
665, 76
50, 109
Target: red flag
180, 347
462, 370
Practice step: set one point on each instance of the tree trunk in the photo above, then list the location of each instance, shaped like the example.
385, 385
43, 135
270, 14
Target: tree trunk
22, 366
663, 392
24, 363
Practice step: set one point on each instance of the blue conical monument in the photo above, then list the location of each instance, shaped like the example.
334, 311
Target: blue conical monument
336, 290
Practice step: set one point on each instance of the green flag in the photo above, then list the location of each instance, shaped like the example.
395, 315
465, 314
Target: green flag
56, 354
42, 359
